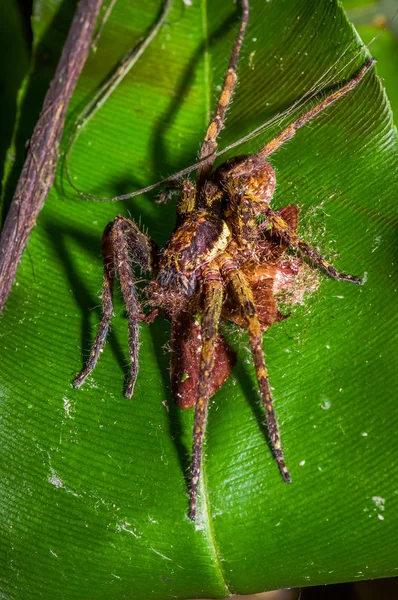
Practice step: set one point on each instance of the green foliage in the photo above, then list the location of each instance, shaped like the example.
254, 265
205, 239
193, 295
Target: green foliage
93, 488
377, 25
14, 55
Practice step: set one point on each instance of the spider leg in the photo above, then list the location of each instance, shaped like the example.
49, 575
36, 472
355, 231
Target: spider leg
289, 214
107, 308
213, 297
241, 289
186, 345
280, 229
251, 178
290, 131
209, 144
272, 246
122, 242
261, 281
186, 203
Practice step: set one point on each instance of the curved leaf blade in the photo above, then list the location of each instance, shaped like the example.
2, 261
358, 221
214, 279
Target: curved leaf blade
96, 495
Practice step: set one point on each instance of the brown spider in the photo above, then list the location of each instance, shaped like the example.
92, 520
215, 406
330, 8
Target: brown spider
219, 263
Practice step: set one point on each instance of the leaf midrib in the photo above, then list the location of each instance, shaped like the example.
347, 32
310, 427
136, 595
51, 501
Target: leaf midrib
205, 515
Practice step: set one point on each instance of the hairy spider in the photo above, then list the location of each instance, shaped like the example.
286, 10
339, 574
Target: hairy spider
221, 262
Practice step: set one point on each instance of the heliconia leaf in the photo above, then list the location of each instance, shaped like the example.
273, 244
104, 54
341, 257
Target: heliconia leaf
94, 487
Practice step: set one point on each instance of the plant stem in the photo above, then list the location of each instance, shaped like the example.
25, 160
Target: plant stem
42, 156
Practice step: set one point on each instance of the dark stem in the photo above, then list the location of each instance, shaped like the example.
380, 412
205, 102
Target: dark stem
42, 156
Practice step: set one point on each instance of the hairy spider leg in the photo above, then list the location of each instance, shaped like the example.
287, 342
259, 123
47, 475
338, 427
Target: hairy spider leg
213, 298
252, 176
288, 237
242, 220
122, 243
209, 145
290, 131
289, 214
187, 201
270, 276
107, 308
241, 289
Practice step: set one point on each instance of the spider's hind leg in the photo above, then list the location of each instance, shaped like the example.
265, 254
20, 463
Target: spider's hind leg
244, 296
122, 243
282, 231
186, 344
213, 298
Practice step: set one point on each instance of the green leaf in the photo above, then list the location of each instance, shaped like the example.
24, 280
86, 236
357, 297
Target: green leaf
94, 487
384, 44
14, 60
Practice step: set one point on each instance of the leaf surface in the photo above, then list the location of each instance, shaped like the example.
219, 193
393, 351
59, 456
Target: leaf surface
94, 487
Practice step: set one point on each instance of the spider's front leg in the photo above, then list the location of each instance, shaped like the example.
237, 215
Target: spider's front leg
251, 180
122, 244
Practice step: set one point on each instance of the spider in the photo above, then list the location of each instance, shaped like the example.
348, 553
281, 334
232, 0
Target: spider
225, 260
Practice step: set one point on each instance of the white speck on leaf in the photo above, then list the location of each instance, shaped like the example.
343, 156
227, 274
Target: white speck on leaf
376, 242
379, 501
124, 526
160, 554
153, 520
55, 479
302, 463
67, 407
251, 59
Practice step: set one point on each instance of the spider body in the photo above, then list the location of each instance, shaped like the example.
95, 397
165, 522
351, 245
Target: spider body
226, 260
223, 212
195, 242
204, 239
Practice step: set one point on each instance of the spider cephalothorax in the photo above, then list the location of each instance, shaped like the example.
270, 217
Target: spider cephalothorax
226, 259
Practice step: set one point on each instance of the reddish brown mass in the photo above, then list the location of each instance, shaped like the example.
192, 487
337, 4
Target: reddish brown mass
186, 345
